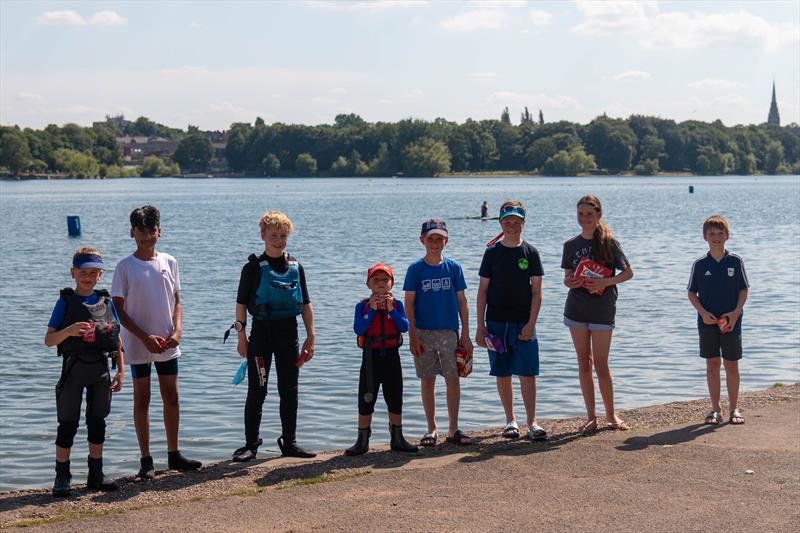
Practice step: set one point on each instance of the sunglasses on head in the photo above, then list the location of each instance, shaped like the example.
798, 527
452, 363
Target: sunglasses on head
509, 210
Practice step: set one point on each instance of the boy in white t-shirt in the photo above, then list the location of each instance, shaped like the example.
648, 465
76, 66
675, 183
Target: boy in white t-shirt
146, 293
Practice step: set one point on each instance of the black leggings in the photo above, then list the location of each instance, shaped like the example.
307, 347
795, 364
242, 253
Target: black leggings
77, 375
285, 348
386, 370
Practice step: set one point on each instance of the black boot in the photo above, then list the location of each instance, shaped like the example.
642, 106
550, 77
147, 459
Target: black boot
98, 480
247, 452
147, 471
291, 449
63, 477
362, 442
398, 442
176, 461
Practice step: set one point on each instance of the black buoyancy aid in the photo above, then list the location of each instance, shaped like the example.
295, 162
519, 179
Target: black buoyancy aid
277, 294
382, 331
106, 325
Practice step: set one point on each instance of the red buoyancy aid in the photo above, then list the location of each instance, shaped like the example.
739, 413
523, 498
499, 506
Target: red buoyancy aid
382, 331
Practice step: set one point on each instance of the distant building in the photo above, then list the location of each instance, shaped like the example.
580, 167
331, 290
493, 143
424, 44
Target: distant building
136, 148
774, 118
118, 122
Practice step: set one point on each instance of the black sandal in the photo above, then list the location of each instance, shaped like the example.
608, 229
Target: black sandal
460, 438
429, 439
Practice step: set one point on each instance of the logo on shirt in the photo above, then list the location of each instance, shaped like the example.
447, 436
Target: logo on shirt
436, 284
708, 273
730, 272
522, 263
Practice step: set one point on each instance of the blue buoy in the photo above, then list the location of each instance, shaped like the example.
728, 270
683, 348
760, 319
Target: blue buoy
73, 225
691, 189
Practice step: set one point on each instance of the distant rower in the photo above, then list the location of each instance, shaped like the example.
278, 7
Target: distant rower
484, 210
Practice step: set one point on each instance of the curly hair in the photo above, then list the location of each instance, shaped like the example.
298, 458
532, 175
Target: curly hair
275, 219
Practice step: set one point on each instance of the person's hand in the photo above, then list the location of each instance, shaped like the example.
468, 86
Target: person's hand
306, 352
79, 328
116, 383
732, 317
527, 331
241, 345
466, 343
480, 336
708, 318
572, 282
154, 343
595, 284
414, 345
389, 299
172, 341
373, 302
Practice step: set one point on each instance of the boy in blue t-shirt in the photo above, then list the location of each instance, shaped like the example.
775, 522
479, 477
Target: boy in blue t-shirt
85, 327
435, 302
718, 290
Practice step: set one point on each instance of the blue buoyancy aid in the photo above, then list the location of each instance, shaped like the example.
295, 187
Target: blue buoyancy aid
278, 295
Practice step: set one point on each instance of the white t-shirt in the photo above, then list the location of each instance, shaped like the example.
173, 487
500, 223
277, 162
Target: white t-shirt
148, 288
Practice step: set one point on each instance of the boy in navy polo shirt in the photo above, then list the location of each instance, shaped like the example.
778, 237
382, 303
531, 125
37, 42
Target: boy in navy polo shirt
435, 302
718, 290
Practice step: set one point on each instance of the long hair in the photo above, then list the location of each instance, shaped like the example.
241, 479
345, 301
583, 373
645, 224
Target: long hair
602, 237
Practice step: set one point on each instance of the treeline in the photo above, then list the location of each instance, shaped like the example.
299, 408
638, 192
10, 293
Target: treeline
640, 144
353, 147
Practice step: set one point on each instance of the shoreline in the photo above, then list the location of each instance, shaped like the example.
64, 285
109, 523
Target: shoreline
220, 481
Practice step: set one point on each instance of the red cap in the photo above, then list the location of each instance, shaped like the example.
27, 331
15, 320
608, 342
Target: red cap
380, 267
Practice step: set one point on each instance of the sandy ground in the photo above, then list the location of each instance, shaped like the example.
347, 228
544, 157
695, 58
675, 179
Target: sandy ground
670, 473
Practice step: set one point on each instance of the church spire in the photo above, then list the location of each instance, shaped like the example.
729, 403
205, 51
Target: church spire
774, 118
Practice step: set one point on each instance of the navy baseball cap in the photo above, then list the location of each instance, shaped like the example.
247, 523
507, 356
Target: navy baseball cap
436, 226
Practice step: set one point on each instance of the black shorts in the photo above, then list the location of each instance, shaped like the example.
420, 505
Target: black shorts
164, 368
386, 374
714, 343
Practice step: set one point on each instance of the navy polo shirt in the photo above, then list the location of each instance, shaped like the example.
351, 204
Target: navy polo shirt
718, 284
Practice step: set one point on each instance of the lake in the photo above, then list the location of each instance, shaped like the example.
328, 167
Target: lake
342, 226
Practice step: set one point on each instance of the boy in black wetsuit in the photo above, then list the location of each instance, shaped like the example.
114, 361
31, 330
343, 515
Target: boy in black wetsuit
380, 323
85, 327
272, 288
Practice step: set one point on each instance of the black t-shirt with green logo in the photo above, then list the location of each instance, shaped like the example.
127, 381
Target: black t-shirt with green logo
510, 271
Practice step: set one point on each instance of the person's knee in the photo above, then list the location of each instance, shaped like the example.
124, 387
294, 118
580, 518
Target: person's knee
585, 361
141, 401
96, 428
731, 367
170, 397
601, 368
65, 434
713, 363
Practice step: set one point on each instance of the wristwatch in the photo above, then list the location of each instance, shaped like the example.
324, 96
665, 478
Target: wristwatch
238, 325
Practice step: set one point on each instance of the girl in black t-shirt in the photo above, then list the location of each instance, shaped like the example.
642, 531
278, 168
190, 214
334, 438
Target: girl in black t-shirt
590, 261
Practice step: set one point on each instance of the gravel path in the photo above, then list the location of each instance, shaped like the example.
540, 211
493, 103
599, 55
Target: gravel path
494, 484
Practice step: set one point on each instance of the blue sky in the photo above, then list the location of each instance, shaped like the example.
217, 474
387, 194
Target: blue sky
213, 63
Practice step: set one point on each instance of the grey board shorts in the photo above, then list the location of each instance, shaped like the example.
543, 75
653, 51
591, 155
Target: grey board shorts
439, 354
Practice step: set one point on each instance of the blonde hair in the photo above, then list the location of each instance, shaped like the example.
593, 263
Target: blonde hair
86, 250
515, 203
716, 222
602, 237
275, 219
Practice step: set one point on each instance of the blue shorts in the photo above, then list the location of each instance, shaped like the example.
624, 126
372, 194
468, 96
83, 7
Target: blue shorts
591, 326
164, 368
521, 358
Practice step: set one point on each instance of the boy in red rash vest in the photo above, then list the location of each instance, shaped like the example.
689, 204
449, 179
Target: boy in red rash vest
380, 322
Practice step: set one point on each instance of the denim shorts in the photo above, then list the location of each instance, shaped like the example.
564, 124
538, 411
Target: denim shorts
521, 358
591, 326
164, 368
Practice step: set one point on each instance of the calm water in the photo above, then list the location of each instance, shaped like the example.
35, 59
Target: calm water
343, 226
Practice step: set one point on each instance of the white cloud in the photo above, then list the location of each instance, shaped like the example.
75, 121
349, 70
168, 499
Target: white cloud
415, 93
632, 75
682, 29
369, 7
107, 18
539, 17
339, 90
197, 25
61, 18
30, 97
509, 98
478, 19
72, 18
483, 75
710, 83
499, 4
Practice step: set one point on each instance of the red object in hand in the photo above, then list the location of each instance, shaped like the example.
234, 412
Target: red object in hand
162, 343
89, 333
722, 322
590, 269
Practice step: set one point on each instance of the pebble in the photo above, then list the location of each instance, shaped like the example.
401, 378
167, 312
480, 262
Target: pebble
749, 472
